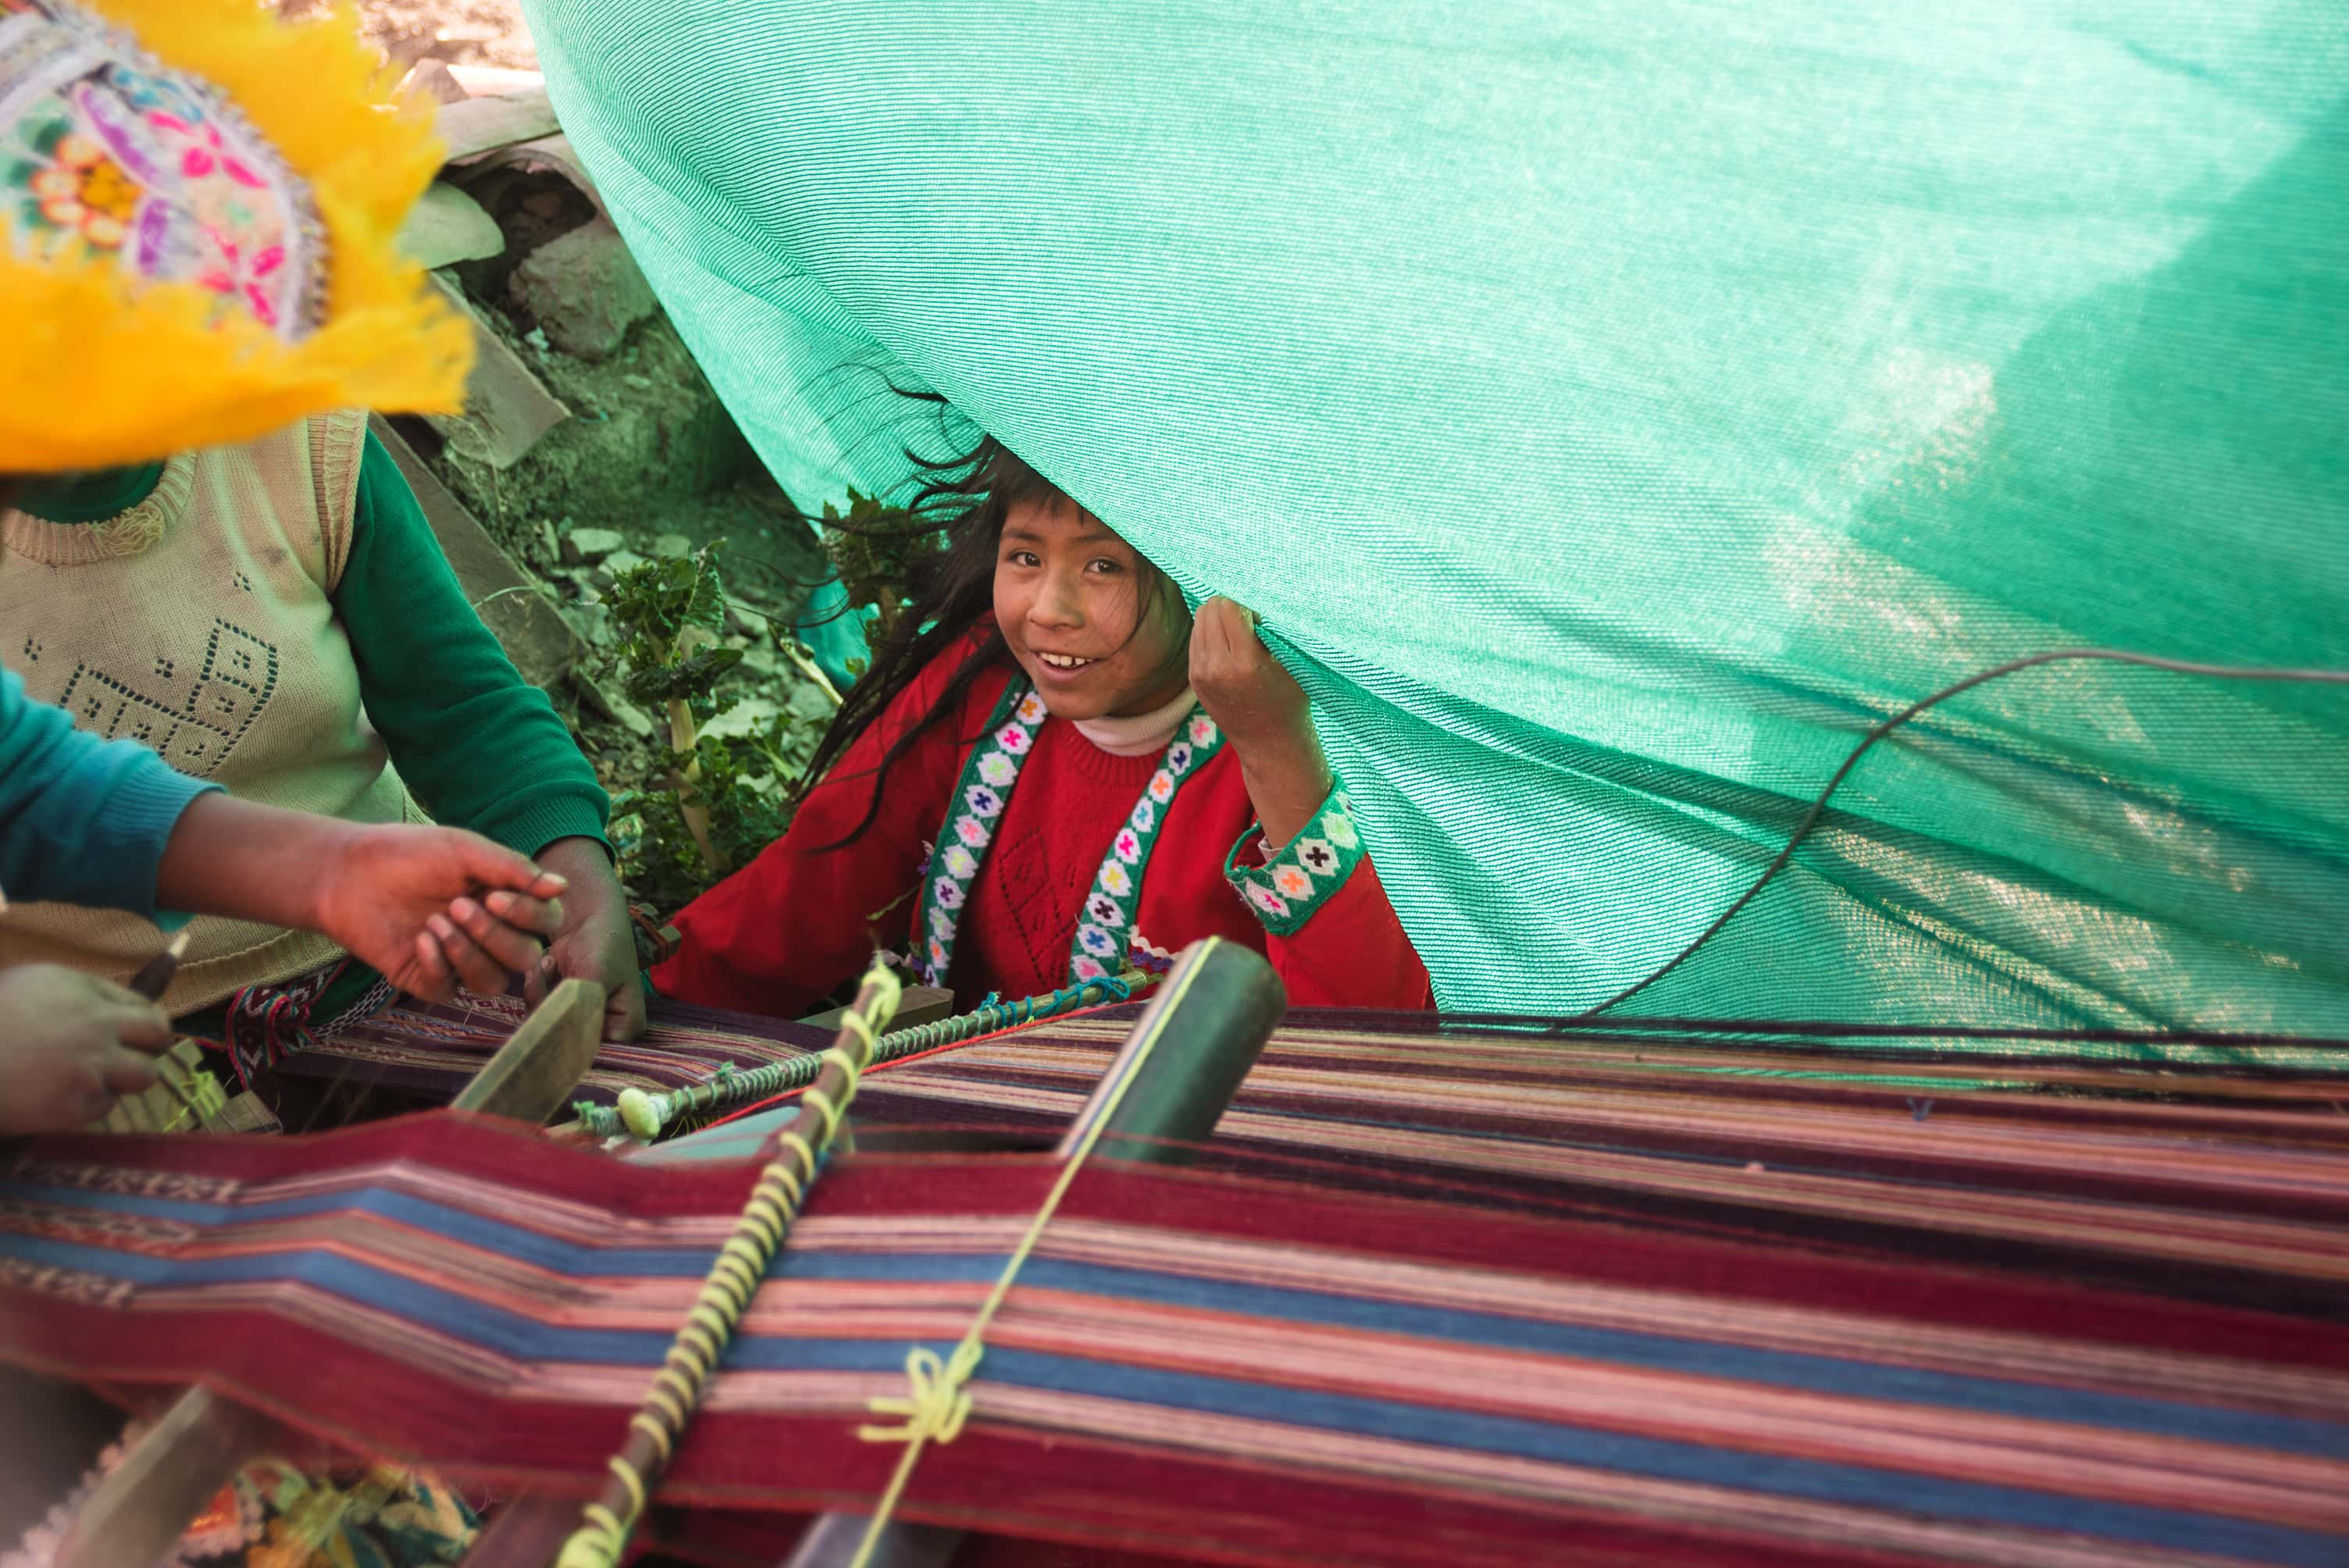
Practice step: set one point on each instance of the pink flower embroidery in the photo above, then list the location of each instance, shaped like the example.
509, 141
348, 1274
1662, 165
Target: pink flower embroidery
971, 831
1265, 899
1012, 738
1203, 730
1128, 847
1087, 969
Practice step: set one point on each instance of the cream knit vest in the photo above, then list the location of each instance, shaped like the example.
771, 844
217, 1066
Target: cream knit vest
199, 622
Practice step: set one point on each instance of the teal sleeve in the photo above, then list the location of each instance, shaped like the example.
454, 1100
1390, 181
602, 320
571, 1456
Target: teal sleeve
479, 747
82, 821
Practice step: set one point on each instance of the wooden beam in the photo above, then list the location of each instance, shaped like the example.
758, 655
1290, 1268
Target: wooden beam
137, 1514
479, 125
507, 408
534, 633
526, 1533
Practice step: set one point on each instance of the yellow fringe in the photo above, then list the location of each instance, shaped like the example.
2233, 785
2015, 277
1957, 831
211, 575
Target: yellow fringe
114, 374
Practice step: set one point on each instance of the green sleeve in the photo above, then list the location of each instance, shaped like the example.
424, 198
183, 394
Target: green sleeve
479, 747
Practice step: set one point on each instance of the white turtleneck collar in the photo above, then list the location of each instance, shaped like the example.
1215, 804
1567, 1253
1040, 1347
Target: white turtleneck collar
1140, 733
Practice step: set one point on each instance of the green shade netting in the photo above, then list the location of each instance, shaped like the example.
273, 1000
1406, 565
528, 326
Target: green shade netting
1613, 408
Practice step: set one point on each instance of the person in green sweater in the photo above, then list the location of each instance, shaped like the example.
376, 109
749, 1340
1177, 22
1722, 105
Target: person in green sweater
384, 691
106, 825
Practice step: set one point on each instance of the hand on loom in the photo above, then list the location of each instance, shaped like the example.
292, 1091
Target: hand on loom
595, 942
71, 1043
428, 907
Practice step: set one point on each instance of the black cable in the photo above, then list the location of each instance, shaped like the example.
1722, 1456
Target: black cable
1885, 726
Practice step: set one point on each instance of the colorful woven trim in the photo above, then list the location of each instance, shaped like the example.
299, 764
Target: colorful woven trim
264, 1025
1288, 890
1103, 932
979, 798
985, 790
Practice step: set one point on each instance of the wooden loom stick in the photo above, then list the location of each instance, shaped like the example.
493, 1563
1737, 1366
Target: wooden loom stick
645, 1116
136, 1514
792, 1157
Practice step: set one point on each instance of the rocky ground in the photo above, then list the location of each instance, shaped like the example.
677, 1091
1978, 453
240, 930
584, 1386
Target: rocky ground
641, 463
461, 32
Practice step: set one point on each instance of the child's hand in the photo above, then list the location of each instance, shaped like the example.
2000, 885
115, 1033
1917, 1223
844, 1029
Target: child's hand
1252, 700
69, 1044
1265, 716
434, 907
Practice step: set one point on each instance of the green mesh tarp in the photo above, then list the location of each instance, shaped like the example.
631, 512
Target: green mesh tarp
1613, 408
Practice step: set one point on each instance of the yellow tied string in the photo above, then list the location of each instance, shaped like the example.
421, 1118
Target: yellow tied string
939, 1405
937, 1402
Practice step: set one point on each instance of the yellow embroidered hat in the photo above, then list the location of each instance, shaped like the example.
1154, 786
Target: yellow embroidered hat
198, 206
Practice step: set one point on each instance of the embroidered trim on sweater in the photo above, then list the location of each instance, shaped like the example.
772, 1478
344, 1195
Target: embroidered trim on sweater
1102, 932
1288, 890
979, 797
976, 809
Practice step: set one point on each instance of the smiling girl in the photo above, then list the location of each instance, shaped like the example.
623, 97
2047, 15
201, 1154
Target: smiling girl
1050, 773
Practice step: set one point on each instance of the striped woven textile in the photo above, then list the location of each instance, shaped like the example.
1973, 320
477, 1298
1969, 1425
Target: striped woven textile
435, 1051
1425, 1299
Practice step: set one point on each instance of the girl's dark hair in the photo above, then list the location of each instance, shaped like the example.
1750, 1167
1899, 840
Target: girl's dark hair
965, 497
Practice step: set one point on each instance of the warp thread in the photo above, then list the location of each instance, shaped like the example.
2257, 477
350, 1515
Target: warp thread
937, 1400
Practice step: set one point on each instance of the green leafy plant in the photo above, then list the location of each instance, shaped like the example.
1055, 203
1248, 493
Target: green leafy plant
875, 550
714, 801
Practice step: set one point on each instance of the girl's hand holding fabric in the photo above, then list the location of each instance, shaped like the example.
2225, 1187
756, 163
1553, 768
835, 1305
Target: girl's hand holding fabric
1243, 688
69, 1044
1264, 714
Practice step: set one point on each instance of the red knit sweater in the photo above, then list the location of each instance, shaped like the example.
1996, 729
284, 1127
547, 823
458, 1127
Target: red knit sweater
782, 933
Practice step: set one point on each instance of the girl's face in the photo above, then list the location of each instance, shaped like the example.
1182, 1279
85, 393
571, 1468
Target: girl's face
1070, 597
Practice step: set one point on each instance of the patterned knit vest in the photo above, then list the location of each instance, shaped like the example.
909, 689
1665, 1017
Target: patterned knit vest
199, 621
